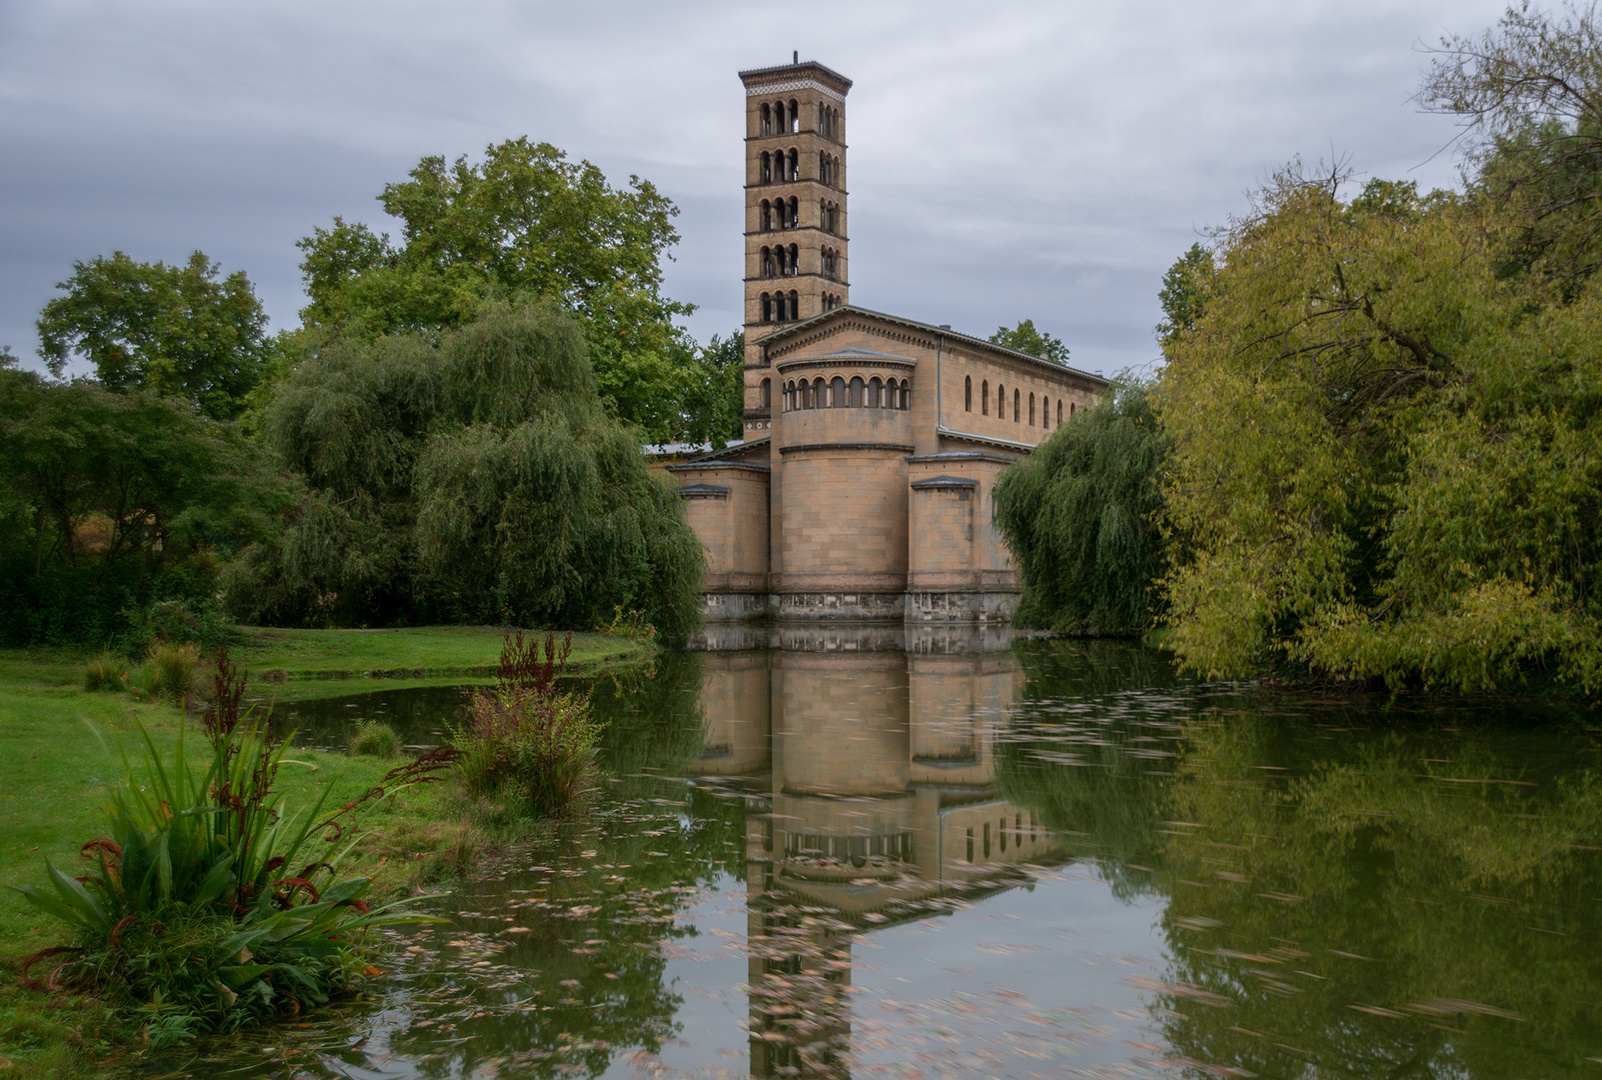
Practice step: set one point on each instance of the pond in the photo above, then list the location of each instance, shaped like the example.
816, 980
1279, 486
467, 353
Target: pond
942, 852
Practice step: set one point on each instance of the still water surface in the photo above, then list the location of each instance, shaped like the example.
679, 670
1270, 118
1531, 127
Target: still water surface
944, 853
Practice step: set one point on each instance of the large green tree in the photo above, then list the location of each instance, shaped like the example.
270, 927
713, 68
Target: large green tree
175, 330
1529, 95
525, 224
1025, 338
110, 501
472, 475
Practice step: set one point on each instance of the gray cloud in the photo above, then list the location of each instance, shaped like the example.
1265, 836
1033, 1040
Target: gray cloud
1008, 160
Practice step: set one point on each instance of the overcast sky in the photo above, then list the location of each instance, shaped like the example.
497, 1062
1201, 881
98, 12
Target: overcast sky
1007, 160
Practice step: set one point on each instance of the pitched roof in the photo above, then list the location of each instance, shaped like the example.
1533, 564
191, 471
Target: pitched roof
792, 329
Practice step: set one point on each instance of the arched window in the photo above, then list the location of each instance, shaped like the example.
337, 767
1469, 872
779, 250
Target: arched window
1015, 406
823, 166
767, 262
857, 386
767, 168
967, 393
795, 213
767, 216
767, 308
1059, 410
1031, 408
767, 393
794, 260
793, 167
795, 305
875, 393
906, 393
1070, 410
984, 398
837, 393
789, 388
795, 116
1001, 402
820, 394
1045, 411
767, 121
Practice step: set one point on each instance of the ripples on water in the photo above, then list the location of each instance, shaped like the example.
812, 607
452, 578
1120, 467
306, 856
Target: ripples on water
930, 853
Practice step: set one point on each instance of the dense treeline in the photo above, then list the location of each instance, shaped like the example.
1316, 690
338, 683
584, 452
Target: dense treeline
477, 479
1379, 412
452, 434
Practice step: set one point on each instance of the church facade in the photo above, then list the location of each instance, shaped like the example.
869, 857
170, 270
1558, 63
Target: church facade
862, 489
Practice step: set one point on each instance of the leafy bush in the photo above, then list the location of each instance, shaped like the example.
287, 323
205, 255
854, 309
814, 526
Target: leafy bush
629, 624
108, 671
374, 738
525, 740
210, 903
201, 622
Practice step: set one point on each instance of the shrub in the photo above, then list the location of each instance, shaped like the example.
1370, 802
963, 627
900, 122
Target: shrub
108, 671
525, 740
373, 738
170, 670
203, 623
210, 903
629, 624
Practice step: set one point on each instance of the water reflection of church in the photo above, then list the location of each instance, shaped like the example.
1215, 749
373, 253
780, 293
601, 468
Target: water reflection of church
865, 756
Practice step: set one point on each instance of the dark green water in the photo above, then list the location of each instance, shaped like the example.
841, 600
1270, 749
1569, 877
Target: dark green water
941, 853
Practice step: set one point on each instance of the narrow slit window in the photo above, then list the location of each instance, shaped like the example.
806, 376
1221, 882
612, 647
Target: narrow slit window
967, 393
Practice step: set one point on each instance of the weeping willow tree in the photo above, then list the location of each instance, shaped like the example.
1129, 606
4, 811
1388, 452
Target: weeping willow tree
472, 478
1078, 517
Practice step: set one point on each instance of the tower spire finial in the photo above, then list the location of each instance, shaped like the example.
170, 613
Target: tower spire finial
795, 56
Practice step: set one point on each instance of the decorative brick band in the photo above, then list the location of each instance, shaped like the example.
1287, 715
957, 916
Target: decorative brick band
760, 89
807, 447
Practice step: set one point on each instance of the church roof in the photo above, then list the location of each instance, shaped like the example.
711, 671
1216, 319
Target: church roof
805, 67
793, 329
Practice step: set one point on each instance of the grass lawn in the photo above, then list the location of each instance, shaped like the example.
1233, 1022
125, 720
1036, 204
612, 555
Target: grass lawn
53, 775
420, 652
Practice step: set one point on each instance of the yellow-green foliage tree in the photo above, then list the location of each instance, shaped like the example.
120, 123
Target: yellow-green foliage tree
1386, 460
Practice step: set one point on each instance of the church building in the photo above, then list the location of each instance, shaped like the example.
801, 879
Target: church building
862, 489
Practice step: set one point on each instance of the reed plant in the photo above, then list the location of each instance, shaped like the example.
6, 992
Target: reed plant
170, 671
526, 740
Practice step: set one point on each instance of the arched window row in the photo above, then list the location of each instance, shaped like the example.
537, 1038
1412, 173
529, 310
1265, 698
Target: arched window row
780, 166
829, 216
831, 301
779, 117
781, 306
829, 169
779, 214
1017, 403
781, 261
828, 120
836, 393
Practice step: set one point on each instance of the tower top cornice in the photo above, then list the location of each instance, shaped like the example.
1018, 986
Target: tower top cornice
806, 74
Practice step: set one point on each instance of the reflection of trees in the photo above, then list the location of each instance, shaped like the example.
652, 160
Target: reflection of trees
1471, 898
1082, 751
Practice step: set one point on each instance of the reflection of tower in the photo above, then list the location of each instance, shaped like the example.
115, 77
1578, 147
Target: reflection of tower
881, 800
795, 210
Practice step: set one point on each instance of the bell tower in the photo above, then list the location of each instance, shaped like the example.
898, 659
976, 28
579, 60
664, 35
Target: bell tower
795, 211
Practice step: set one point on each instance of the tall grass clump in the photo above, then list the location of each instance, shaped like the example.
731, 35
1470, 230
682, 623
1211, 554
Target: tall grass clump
108, 671
210, 904
170, 671
525, 740
374, 738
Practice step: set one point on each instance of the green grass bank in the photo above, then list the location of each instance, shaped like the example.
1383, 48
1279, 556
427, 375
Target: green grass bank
54, 737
